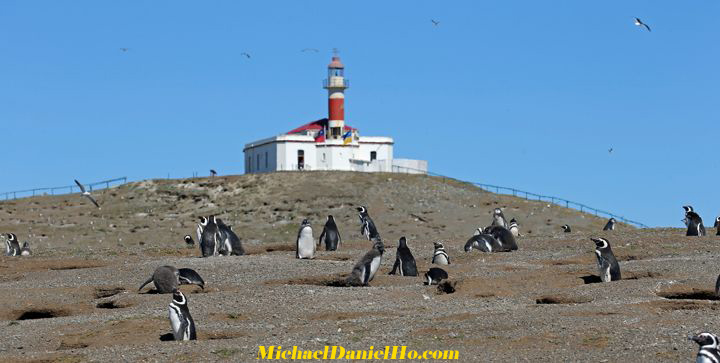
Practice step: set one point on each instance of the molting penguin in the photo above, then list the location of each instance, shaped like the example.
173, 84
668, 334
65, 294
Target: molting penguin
483, 242
506, 239
181, 322
305, 245
189, 240
610, 225
440, 257
435, 275
330, 235
25, 250
514, 228
12, 246
607, 264
694, 225
367, 226
365, 269
404, 260
708, 352
717, 225
168, 278
688, 209
566, 228
207, 232
499, 218
229, 241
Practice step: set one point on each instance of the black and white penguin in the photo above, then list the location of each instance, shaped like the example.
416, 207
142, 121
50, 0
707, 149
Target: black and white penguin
506, 239
695, 225
330, 235
305, 244
440, 257
181, 322
365, 269
434, 276
566, 228
208, 236
708, 352
607, 264
229, 241
25, 250
688, 209
189, 240
514, 228
12, 246
367, 226
483, 242
404, 260
717, 286
499, 218
168, 278
717, 225
610, 225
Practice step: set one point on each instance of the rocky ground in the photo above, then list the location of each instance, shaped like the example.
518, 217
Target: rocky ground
76, 298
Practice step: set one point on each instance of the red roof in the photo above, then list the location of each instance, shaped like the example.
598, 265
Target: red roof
316, 125
336, 63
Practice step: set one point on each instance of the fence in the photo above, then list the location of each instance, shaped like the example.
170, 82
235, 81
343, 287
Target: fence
528, 196
62, 190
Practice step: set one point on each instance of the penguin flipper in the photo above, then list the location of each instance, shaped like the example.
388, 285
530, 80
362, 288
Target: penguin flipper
189, 276
145, 283
322, 238
395, 266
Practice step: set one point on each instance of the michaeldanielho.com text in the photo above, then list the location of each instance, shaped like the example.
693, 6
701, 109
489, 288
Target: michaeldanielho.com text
396, 352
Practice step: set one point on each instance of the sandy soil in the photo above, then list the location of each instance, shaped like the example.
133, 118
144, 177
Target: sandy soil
76, 299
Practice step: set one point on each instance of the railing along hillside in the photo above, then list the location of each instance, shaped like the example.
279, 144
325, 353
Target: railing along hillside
69, 189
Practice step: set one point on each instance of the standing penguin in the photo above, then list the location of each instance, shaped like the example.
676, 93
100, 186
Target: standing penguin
12, 246
717, 225
440, 257
181, 322
330, 235
499, 218
506, 239
229, 241
404, 260
566, 228
607, 264
25, 250
167, 279
367, 226
305, 245
610, 225
694, 225
514, 228
708, 352
365, 269
207, 235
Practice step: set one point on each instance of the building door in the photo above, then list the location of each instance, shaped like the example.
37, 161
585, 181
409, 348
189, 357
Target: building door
301, 159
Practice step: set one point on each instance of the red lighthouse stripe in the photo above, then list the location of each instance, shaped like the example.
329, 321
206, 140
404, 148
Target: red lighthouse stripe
336, 107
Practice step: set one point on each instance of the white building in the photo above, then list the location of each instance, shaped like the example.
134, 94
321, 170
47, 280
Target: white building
328, 143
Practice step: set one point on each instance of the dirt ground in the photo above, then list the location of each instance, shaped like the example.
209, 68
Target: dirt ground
76, 298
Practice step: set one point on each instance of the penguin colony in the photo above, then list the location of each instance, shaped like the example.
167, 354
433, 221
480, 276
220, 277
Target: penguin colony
215, 238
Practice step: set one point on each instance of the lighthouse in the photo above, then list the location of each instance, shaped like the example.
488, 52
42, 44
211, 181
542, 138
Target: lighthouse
336, 84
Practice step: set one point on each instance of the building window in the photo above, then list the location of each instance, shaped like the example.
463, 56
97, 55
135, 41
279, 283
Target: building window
301, 159
323, 156
266, 160
373, 155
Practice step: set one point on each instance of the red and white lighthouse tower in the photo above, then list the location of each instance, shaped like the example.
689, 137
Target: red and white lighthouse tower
336, 85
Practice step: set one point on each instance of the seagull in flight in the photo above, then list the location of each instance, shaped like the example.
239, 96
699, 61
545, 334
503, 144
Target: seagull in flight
610, 150
124, 49
435, 22
310, 50
639, 22
246, 55
86, 193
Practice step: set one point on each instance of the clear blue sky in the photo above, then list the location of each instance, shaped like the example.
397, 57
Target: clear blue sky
528, 94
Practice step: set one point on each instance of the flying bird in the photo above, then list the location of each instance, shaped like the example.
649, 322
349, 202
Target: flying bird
435, 22
310, 50
610, 150
246, 55
639, 22
86, 193
124, 49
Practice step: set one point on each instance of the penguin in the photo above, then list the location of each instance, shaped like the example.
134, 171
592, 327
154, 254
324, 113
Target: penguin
717, 225
25, 250
305, 245
708, 352
208, 236
189, 240
483, 242
440, 257
330, 235
435, 275
610, 225
694, 225
499, 218
404, 260
365, 269
229, 241
167, 279
12, 246
514, 228
367, 227
506, 239
607, 264
566, 228
717, 286
688, 209
181, 322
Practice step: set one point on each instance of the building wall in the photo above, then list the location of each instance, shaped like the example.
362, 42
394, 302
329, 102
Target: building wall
261, 159
288, 155
410, 166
